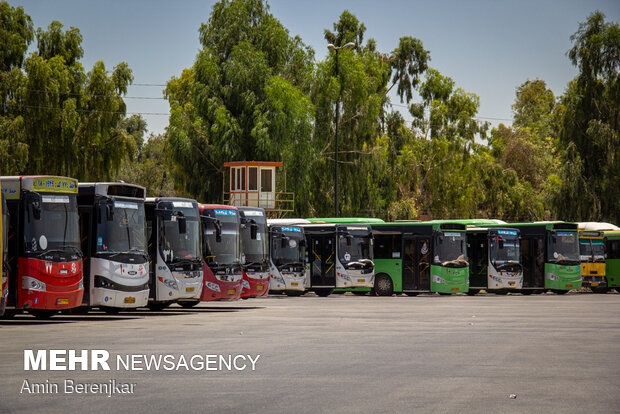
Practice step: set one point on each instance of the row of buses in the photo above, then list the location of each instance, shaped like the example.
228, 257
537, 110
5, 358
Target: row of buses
70, 246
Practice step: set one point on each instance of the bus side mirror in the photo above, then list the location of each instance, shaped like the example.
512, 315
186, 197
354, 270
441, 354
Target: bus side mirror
218, 231
501, 243
182, 223
302, 243
109, 211
253, 231
36, 210
283, 242
349, 238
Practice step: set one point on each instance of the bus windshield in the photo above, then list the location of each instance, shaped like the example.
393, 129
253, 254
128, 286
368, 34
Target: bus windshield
354, 245
255, 250
451, 250
286, 247
504, 251
125, 231
591, 250
58, 225
177, 247
226, 250
564, 248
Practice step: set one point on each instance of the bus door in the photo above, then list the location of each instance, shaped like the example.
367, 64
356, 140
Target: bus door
478, 253
322, 255
533, 261
416, 263
86, 226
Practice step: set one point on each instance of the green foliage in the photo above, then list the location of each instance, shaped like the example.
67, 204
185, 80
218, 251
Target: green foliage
55, 117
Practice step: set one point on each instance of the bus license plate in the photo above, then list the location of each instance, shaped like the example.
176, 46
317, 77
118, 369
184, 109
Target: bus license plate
569, 285
189, 289
455, 289
594, 283
62, 301
361, 280
259, 287
294, 284
231, 291
511, 283
130, 300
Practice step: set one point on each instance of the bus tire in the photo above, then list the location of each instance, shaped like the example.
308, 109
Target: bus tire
294, 293
472, 292
42, 313
158, 306
189, 304
384, 285
599, 289
323, 292
559, 292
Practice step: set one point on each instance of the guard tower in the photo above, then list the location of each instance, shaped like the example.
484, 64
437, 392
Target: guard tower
254, 184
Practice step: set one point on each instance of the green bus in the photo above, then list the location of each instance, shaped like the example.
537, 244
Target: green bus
612, 262
420, 257
549, 256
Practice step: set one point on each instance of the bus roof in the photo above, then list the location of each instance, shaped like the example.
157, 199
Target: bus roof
12, 185
112, 189
468, 222
612, 234
346, 220
548, 225
287, 222
596, 226
218, 206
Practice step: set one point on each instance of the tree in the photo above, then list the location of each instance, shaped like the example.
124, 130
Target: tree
590, 130
243, 99
57, 119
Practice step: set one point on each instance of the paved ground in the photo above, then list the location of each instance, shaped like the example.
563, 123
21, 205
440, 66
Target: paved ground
342, 354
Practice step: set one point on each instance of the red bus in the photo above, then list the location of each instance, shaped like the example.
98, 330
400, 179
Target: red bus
255, 252
45, 259
221, 249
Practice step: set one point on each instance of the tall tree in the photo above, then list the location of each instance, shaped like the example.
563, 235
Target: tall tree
243, 99
591, 124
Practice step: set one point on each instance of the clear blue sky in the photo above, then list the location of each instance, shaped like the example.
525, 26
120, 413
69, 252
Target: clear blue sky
488, 47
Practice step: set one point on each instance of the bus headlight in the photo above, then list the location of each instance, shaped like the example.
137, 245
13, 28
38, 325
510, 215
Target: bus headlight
344, 277
213, 286
278, 278
245, 284
553, 276
30, 283
438, 279
81, 284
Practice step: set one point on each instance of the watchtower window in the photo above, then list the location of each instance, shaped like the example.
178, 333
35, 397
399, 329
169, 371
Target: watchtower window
253, 178
265, 180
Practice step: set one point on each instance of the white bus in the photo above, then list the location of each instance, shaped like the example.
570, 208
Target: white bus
173, 237
287, 253
113, 240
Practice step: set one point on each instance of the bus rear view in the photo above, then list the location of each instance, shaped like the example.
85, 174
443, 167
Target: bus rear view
44, 248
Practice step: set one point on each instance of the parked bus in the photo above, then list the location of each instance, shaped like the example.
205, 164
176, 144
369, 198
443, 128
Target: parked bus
113, 236
174, 246
494, 260
45, 273
612, 263
420, 257
4, 245
340, 256
255, 252
592, 257
288, 264
221, 227
549, 256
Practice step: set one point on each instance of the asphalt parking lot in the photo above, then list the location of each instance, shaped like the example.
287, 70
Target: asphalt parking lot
343, 354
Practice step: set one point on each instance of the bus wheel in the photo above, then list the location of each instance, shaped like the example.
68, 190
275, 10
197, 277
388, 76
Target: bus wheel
110, 311
599, 290
189, 304
384, 285
294, 292
472, 292
42, 313
559, 292
323, 292
157, 306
